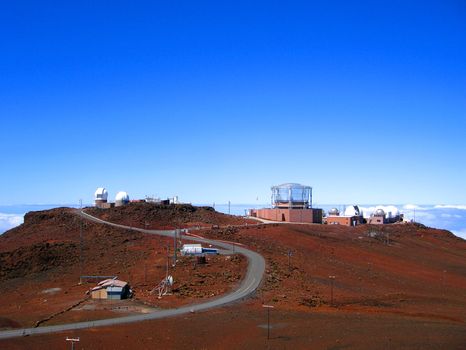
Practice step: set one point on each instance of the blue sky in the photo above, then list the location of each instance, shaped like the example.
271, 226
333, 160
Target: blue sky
216, 101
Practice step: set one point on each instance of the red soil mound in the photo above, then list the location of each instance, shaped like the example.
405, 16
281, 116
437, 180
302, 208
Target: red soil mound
158, 216
40, 266
407, 268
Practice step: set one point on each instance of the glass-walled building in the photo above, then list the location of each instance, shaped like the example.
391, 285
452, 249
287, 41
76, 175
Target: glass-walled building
292, 196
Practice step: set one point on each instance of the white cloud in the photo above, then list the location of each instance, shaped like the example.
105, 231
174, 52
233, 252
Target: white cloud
456, 216
413, 207
460, 233
8, 221
460, 207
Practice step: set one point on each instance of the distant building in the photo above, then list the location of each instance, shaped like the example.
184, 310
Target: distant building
122, 198
100, 197
377, 218
353, 216
385, 215
111, 289
291, 202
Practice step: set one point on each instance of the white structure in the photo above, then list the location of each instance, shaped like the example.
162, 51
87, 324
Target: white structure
291, 196
191, 249
334, 212
353, 210
121, 198
101, 195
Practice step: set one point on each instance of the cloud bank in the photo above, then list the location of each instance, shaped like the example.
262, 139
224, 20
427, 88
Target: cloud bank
8, 221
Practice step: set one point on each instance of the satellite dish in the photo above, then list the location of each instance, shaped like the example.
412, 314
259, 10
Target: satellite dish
170, 280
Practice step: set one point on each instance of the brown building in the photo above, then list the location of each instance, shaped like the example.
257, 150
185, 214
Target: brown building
291, 202
346, 220
289, 215
376, 220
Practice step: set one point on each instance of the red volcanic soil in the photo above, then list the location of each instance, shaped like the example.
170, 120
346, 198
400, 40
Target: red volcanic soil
40, 268
394, 287
158, 216
404, 269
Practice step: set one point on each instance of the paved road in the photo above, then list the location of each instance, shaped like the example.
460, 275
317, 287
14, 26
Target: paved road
255, 271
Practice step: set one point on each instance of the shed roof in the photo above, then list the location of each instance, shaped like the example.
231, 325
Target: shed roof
112, 283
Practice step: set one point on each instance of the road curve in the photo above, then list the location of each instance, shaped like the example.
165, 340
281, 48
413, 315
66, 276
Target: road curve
255, 271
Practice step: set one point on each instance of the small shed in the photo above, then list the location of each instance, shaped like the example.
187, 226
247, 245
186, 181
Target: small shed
111, 289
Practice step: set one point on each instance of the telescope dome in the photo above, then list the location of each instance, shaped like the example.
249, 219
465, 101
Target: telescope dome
101, 194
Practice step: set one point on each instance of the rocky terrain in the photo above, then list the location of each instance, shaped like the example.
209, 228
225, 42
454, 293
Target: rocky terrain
159, 216
41, 264
332, 287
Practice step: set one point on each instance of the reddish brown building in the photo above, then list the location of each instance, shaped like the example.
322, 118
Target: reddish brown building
344, 220
291, 202
289, 215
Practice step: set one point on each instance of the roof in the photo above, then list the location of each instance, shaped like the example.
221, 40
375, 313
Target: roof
101, 193
192, 245
291, 185
112, 283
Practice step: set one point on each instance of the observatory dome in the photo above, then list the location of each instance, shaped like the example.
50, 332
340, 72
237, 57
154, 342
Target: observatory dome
101, 194
352, 210
334, 212
379, 212
122, 197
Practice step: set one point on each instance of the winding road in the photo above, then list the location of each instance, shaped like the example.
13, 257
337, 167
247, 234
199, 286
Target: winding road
252, 280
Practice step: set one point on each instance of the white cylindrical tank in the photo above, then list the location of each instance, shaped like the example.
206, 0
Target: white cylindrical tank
101, 194
121, 198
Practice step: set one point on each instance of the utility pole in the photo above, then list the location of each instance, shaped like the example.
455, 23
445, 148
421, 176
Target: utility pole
175, 232
268, 307
168, 259
80, 242
229, 204
289, 259
72, 340
443, 282
332, 278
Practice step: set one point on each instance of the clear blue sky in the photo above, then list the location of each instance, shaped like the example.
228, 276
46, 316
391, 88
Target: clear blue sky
216, 101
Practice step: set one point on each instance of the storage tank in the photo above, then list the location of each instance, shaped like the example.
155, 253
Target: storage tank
121, 198
292, 196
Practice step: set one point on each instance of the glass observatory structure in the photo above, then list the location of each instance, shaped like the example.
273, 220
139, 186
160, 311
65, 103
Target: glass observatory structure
291, 196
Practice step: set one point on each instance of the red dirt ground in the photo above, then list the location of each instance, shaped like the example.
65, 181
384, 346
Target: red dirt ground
395, 287
158, 216
43, 254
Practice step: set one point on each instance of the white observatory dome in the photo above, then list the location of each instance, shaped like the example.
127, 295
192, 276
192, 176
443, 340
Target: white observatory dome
352, 210
379, 212
101, 194
334, 212
122, 197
